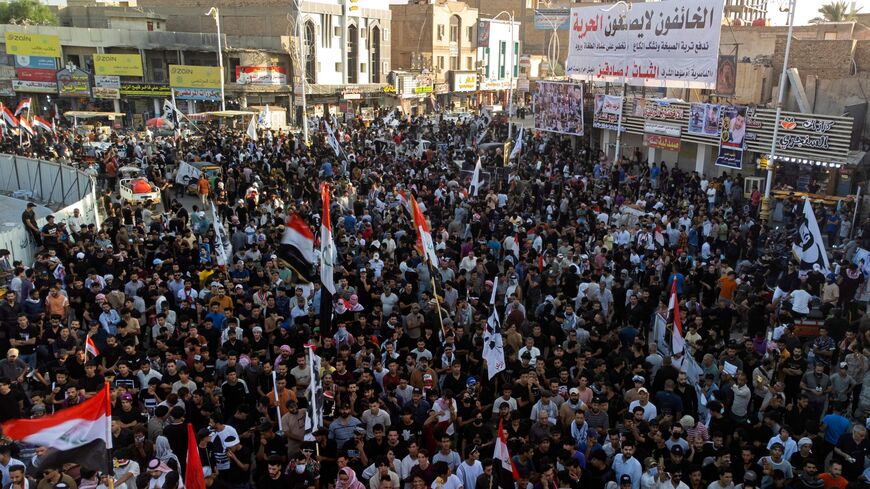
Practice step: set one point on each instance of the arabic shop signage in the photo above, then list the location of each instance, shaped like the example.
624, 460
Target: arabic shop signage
669, 43
145, 90
814, 134
662, 129
660, 141
658, 109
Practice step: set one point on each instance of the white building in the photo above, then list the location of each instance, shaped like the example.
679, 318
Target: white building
346, 42
498, 55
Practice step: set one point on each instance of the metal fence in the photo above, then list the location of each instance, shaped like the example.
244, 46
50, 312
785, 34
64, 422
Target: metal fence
48, 183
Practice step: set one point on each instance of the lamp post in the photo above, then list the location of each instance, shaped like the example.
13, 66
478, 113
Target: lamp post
303, 62
510, 17
215, 13
616, 155
782, 80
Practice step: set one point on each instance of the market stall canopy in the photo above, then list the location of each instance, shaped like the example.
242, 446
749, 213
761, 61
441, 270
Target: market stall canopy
227, 113
85, 114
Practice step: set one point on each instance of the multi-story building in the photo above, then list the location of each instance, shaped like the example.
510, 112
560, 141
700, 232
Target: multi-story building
498, 57
344, 46
440, 38
141, 78
746, 12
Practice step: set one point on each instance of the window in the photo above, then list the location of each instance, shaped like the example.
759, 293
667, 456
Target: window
326, 30
233, 63
362, 67
469, 33
516, 59
454, 29
352, 54
529, 3
440, 32
375, 54
386, 34
309, 51
486, 60
150, 25
338, 67
440, 62
469, 63
502, 49
454, 62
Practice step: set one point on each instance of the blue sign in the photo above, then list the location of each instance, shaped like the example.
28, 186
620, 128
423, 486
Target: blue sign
36, 62
548, 19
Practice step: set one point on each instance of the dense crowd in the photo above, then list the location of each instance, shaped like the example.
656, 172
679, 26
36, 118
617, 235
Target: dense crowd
579, 252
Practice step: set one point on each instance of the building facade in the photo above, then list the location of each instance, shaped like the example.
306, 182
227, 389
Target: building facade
498, 58
438, 38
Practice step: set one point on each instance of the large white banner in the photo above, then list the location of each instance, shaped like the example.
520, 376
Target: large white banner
670, 43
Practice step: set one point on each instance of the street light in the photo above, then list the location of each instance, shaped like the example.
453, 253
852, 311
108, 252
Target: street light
510, 17
616, 156
214, 13
302, 65
782, 78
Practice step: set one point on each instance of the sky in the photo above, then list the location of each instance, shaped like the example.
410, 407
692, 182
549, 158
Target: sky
806, 10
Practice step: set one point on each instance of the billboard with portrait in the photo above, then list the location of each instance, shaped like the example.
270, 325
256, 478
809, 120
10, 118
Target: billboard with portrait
559, 108
704, 119
732, 130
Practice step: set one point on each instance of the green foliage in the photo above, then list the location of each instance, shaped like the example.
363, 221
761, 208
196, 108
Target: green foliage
26, 12
838, 11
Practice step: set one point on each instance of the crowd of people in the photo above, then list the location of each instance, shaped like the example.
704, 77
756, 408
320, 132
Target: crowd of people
577, 254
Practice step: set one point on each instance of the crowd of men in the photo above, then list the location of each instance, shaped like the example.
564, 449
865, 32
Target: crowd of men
577, 254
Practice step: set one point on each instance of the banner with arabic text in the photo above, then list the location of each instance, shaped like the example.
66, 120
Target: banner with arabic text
669, 43
604, 119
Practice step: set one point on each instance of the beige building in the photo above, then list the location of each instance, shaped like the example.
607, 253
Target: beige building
439, 38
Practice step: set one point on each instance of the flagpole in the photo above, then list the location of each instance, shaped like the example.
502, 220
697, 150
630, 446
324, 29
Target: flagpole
437, 302
275, 392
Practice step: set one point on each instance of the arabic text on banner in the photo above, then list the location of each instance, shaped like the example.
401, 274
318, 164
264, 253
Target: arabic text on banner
653, 44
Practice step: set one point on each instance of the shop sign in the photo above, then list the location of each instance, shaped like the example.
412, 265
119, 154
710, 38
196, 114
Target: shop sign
351, 96
792, 141
423, 89
6, 88
814, 125
34, 86
667, 143
106, 93
35, 68
27, 44
662, 129
442, 88
109, 81
185, 76
658, 109
198, 93
118, 64
145, 90
464, 82
389, 89
73, 82
495, 84
261, 75
7, 72
453, 49
523, 84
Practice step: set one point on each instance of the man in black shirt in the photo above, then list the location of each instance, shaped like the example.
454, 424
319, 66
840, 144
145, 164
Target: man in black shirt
11, 401
275, 477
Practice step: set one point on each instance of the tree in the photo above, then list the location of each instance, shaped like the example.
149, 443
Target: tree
26, 12
837, 11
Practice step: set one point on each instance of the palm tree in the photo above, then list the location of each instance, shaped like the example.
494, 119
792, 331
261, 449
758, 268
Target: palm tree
837, 11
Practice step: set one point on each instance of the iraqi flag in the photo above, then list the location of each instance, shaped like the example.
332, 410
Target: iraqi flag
424, 236
810, 248
25, 126
327, 245
22, 106
79, 434
91, 347
678, 340
297, 247
40, 123
507, 471
8, 117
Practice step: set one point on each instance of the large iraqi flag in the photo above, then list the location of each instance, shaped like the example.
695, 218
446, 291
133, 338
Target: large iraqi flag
79, 434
